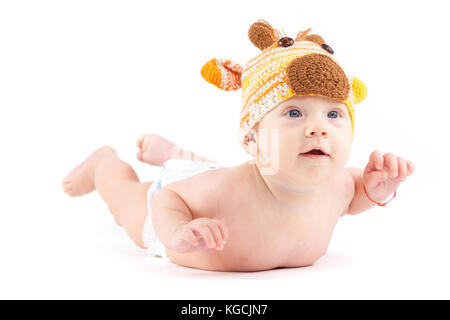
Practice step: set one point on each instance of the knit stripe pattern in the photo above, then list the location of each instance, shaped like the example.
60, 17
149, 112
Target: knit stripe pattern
265, 83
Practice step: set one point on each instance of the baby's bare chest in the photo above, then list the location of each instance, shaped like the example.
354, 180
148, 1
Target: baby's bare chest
283, 235
261, 235
264, 235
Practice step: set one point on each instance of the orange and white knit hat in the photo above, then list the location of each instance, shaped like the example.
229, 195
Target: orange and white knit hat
285, 68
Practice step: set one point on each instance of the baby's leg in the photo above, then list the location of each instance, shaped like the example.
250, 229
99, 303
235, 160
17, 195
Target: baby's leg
118, 185
155, 150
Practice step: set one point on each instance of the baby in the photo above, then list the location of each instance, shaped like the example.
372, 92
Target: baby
277, 210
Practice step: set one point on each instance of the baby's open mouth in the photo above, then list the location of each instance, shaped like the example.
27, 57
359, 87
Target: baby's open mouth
315, 153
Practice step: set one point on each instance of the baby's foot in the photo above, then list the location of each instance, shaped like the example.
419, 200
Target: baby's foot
155, 150
81, 179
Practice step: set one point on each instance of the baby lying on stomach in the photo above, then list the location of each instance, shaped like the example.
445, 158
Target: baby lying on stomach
277, 210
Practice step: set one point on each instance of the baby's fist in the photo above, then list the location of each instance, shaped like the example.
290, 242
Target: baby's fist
199, 234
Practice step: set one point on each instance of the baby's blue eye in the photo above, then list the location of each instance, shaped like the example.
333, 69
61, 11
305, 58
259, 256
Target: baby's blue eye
334, 114
294, 113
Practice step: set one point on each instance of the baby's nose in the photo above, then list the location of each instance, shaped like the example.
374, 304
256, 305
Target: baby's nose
316, 131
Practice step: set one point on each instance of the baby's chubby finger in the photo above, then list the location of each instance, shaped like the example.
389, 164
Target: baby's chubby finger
190, 237
390, 161
224, 231
378, 159
217, 235
411, 167
375, 161
402, 168
206, 233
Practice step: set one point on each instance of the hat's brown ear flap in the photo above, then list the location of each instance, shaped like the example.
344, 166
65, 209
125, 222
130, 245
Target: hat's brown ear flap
262, 35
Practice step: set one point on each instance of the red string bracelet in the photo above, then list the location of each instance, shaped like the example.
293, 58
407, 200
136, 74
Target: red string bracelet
378, 203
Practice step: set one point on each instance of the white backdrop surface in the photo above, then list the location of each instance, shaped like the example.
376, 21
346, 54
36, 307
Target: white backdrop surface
75, 75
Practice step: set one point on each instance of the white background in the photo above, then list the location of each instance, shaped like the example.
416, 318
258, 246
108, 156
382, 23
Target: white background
76, 75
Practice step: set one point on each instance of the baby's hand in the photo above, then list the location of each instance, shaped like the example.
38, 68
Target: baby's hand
383, 174
199, 234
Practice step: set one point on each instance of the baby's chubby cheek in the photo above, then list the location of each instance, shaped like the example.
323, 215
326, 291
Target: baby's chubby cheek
341, 152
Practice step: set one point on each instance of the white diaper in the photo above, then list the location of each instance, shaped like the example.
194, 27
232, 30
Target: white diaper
172, 170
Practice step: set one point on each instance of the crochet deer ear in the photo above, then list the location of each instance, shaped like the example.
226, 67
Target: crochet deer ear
316, 39
359, 90
223, 73
262, 35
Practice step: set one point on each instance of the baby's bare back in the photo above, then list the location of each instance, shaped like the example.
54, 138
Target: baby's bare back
262, 234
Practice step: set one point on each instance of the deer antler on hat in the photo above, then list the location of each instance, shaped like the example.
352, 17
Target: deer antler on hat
284, 68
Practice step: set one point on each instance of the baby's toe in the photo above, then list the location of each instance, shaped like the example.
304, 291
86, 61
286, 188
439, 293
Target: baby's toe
68, 188
139, 155
66, 182
139, 141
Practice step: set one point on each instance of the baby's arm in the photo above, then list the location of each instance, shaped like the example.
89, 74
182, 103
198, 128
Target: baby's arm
360, 202
177, 230
381, 177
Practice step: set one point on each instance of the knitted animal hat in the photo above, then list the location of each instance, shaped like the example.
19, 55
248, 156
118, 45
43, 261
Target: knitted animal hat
285, 68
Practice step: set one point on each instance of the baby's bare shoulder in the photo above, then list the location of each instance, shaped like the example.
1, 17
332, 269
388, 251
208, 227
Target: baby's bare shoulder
344, 186
211, 183
343, 181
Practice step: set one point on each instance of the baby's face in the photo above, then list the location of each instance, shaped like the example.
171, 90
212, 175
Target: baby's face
304, 123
